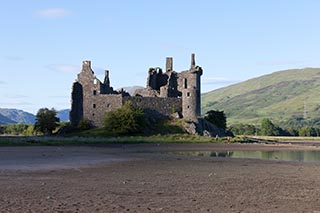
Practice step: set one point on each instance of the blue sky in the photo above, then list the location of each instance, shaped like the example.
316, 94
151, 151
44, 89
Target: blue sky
43, 43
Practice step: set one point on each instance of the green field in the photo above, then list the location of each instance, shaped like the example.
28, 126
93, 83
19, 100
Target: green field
90, 139
279, 96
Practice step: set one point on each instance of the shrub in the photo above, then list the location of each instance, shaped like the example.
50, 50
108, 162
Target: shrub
15, 129
125, 120
218, 118
84, 124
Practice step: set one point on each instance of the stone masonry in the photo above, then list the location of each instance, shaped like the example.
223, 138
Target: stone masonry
165, 93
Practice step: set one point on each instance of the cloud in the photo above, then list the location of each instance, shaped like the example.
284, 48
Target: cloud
12, 58
15, 96
218, 80
16, 103
67, 68
53, 13
2, 82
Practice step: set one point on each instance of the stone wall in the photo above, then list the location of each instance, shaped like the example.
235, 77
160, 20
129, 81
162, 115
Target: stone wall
101, 104
156, 107
76, 113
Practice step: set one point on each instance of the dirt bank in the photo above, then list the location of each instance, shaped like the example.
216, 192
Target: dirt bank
142, 178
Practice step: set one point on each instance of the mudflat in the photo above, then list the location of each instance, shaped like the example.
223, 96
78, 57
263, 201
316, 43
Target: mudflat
147, 178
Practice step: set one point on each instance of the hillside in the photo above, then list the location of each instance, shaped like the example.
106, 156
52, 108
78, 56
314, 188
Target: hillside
4, 120
131, 90
279, 96
16, 116
63, 115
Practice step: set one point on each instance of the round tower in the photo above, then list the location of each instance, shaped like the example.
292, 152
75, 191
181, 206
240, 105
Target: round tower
189, 104
191, 93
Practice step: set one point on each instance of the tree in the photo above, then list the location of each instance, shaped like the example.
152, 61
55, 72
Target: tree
1, 130
84, 124
125, 120
308, 131
269, 129
46, 120
29, 131
243, 129
218, 118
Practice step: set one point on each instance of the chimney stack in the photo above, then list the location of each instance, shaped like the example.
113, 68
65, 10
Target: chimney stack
193, 60
169, 64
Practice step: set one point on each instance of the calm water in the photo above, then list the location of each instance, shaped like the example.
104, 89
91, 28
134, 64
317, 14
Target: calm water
301, 156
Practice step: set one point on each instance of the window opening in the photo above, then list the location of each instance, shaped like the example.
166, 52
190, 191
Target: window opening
185, 83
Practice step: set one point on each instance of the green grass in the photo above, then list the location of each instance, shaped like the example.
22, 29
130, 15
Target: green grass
98, 139
286, 138
95, 137
278, 96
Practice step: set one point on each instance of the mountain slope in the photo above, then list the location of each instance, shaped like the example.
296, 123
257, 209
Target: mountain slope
4, 120
17, 116
278, 96
132, 89
63, 115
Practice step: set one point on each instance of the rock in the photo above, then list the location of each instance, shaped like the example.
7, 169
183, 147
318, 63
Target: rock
206, 133
190, 128
175, 115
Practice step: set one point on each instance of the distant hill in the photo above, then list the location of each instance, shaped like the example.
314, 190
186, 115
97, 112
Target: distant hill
16, 116
279, 96
131, 90
4, 120
63, 115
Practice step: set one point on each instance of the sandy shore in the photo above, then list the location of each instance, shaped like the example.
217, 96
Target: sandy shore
144, 178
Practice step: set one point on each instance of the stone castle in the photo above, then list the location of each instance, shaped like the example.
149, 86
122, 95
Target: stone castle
167, 92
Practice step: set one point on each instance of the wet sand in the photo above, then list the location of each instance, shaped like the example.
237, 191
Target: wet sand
144, 178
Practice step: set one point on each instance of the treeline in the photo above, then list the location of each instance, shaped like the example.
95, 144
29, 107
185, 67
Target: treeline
292, 127
18, 129
25, 129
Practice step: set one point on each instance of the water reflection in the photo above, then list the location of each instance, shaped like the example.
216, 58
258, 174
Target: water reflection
301, 156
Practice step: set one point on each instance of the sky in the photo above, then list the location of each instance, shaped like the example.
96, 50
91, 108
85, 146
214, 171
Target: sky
43, 42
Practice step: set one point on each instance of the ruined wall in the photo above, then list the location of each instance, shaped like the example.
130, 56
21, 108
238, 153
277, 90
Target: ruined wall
101, 104
156, 107
156, 78
76, 113
94, 100
165, 94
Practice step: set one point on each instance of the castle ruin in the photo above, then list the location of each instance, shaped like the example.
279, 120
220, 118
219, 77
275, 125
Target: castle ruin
166, 92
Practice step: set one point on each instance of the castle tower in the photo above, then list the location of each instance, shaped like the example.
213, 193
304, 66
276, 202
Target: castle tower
191, 92
84, 94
